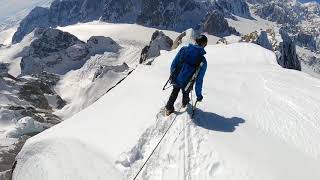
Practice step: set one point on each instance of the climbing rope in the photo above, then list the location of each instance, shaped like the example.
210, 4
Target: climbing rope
174, 119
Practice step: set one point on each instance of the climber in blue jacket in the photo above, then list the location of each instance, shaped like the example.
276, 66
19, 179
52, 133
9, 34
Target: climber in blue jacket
188, 66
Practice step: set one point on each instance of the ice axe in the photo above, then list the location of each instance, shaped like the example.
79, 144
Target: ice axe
194, 109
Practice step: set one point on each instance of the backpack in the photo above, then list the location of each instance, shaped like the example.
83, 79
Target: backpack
192, 78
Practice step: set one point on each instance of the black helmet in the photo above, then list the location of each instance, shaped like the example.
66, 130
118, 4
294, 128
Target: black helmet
202, 40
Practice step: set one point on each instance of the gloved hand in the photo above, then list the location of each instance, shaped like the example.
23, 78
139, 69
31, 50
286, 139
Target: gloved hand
200, 98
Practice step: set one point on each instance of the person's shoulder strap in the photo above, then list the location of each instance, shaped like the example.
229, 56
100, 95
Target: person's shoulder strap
199, 61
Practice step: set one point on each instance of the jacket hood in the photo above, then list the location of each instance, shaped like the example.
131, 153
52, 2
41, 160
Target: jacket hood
196, 49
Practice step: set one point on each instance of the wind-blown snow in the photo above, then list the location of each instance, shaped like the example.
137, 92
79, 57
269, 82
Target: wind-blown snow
257, 121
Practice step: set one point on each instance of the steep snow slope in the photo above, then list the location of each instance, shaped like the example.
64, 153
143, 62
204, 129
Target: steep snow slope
77, 87
257, 121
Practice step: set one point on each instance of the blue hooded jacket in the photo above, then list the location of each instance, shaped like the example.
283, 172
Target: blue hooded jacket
189, 55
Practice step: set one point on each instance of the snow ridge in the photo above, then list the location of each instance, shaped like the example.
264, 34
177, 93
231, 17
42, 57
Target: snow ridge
253, 124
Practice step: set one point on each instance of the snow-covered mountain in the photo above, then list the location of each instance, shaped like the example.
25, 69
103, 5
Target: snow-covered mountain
246, 128
58, 75
99, 65
60, 13
300, 20
13, 11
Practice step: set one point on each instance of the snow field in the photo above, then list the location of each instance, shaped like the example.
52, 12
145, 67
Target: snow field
257, 121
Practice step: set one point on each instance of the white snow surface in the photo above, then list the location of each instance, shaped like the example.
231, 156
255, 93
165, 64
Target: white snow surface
247, 26
257, 121
25, 125
121, 33
6, 36
77, 87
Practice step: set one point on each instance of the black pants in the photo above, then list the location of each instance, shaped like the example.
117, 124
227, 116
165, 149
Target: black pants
173, 98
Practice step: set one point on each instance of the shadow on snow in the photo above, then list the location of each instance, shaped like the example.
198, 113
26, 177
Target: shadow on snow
215, 122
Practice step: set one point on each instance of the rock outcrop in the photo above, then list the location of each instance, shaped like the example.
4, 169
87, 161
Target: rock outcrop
318, 43
306, 40
278, 12
236, 7
216, 24
101, 44
285, 49
178, 40
68, 12
60, 13
4, 67
159, 41
168, 14
53, 51
264, 41
301, 20
177, 15
288, 57
105, 69
59, 52
37, 18
121, 11
31, 99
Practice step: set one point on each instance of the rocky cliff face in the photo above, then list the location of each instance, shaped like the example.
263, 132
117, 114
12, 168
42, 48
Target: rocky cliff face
37, 18
53, 51
169, 14
264, 41
33, 91
177, 15
306, 40
277, 12
59, 52
215, 24
68, 12
101, 44
121, 11
33, 99
300, 20
288, 54
60, 13
236, 7
285, 49
159, 41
